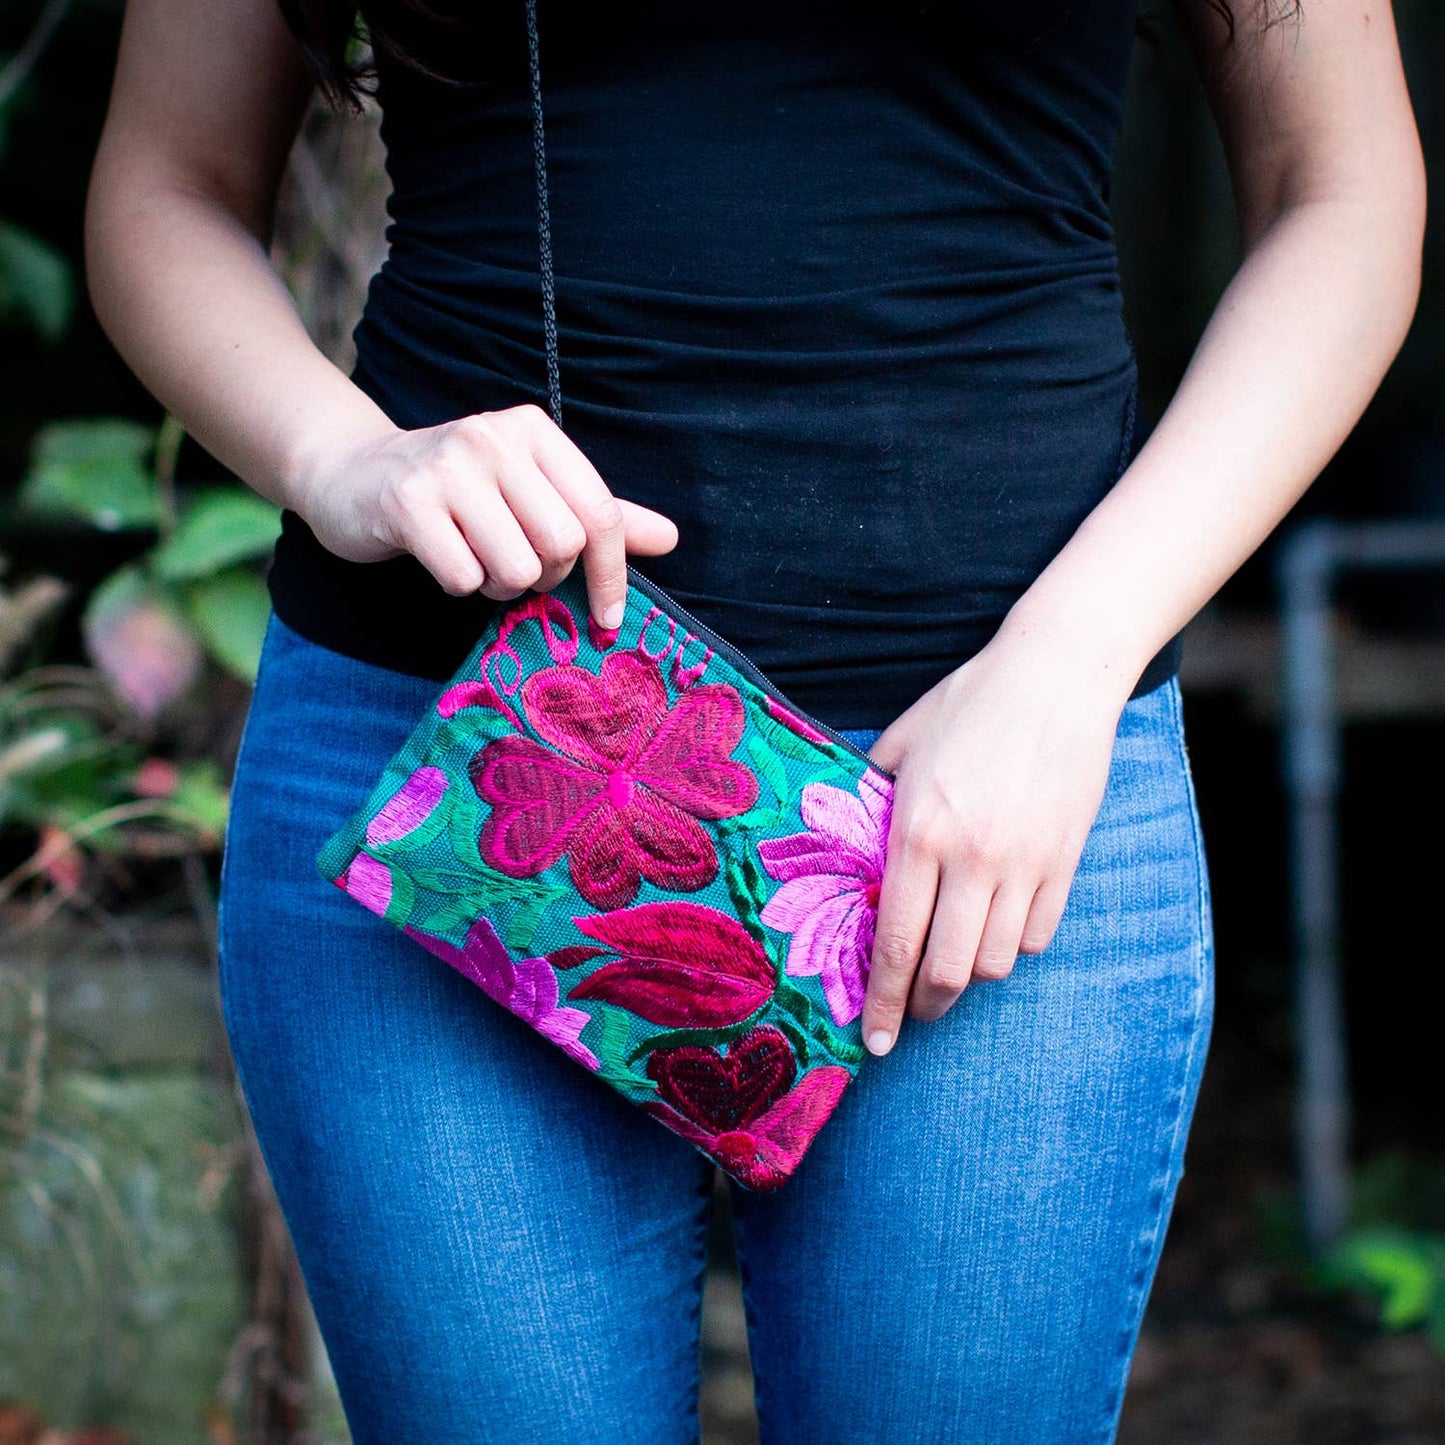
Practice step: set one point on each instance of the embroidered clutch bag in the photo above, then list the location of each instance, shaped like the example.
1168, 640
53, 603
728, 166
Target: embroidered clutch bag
632, 841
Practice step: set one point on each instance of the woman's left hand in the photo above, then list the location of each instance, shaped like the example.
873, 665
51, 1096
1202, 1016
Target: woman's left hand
999, 773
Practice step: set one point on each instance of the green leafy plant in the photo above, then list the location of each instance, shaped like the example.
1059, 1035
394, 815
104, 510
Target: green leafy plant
1394, 1253
85, 789
1403, 1270
197, 592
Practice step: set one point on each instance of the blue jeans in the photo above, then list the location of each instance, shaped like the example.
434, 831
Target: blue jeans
499, 1247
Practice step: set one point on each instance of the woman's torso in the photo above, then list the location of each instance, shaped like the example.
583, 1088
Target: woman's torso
836, 290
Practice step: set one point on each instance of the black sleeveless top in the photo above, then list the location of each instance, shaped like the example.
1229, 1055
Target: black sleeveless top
836, 291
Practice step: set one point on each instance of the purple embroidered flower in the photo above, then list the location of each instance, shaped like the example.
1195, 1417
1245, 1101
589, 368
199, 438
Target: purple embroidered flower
409, 807
528, 988
619, 783
829, 899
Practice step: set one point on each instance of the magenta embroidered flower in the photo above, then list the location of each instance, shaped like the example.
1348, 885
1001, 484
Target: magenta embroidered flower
680, 964
623, 783
528, 988
829, 899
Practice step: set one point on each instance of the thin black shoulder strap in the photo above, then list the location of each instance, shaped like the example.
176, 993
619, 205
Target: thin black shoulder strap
544, 224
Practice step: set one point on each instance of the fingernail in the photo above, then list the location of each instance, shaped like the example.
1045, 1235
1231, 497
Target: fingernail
879, 1041
613, 616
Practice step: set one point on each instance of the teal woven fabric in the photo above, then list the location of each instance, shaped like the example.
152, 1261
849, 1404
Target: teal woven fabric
631, 841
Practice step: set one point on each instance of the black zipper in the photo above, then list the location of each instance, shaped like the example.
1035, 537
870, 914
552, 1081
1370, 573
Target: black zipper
745, 664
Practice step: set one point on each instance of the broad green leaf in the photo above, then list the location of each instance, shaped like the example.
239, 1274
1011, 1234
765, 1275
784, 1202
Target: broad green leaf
36, 284
230, 611
93, 469
218, 527
1392, 1264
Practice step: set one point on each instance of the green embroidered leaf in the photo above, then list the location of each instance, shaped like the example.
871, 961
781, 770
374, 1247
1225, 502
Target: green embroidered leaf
804, 1045
403, 899
761, 819
472, 729
784, 740
464, 825
454, 912
817, 1026
526, 919
610, 1043
769, 767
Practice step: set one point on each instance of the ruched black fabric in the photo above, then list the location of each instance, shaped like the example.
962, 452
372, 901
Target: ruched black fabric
836, 290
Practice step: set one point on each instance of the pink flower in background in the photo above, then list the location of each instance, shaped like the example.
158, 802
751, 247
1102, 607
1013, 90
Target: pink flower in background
622, 785
829, 899
527, 988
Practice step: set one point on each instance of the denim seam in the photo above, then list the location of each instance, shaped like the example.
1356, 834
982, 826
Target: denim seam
1148, 1236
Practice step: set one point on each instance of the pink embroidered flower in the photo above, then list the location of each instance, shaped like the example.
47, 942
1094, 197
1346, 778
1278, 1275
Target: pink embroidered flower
623, 784
743, 1107
369, 882
528, 988
829, 899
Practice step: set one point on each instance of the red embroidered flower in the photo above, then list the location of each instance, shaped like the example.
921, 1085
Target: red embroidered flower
623, 784
743, 1107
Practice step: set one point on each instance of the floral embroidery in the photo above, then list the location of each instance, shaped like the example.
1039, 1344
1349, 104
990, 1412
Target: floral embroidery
829, 899
612, 751
528, 988
369, 882
496, 685
724, 1091
682, 965
743, 1107
623, 784
409, 807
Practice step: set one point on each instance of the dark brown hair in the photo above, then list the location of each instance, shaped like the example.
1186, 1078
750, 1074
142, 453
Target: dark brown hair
333, 35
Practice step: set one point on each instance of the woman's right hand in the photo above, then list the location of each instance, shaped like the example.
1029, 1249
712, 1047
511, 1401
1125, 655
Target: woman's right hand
495, 502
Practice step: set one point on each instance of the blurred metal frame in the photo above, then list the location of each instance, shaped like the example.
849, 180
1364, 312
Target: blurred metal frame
1312, 558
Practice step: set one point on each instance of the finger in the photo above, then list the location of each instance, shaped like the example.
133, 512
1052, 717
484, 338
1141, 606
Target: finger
1044, 915
905, 905
508, 559
552, 529
434, 539
998, 948
958, 923
577, 481
648, 533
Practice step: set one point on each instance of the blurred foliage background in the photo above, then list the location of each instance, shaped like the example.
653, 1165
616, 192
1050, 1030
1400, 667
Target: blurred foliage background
147, 1291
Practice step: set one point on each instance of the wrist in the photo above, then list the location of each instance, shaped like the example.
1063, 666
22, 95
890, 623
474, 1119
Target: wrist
1088, 656
314, 454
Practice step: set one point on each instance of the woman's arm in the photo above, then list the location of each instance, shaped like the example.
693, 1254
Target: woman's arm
206, 103
1002, 766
